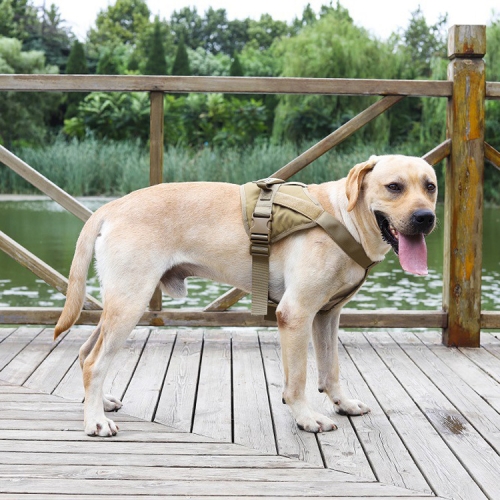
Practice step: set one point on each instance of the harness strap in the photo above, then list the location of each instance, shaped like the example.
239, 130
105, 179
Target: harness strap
260, 239
332, 226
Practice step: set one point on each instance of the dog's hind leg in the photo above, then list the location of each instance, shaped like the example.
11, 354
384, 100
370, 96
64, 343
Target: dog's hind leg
110, 402
294, 326
118, 319
325, 339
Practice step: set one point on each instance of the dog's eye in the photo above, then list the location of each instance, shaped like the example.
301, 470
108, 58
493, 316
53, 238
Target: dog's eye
431, 187
394, 186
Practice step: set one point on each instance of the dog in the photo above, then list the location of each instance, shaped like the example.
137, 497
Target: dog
168, 232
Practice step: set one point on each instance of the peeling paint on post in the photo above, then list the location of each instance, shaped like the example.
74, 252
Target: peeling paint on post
464, 187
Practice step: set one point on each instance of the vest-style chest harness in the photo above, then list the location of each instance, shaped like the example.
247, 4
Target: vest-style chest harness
272, 210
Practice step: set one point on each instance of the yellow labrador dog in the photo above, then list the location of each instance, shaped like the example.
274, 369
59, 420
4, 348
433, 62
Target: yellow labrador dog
165, 233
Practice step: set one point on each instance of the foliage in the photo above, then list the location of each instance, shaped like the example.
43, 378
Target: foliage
24, 115
156, 62
121, 23
77, 64
181, 61
236, 68
114, 115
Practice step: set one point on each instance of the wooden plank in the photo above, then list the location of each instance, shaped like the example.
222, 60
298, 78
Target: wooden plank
111, 446
464, 175
226, 300
104, 458
190, 317
484, 360
491, 343
253, 426
156, 125
470, 404
43, 184
425, 445
144, 389
439, 153
78, 436
290, 440
177, 399
145, 472
387, 454
492, 155
49, 373
490, 319
41, 269
475, 454
287, 489
340, 449
15, 343
71, 385
5, 332
464, 369
237, 85
23, 365
214, 398
15, 496
493, 90
336, 137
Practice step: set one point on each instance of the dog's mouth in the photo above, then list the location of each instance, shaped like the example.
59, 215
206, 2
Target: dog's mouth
411, 249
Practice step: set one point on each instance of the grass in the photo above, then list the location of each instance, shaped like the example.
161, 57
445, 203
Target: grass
95, 167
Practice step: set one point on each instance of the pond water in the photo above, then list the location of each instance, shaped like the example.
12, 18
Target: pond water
50, 233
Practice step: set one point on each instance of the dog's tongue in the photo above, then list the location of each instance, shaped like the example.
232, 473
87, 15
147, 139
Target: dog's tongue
412, 253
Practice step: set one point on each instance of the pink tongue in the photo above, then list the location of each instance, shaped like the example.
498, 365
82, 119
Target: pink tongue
413, 254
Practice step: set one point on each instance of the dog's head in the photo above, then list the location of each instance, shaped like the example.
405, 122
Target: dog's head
400, 193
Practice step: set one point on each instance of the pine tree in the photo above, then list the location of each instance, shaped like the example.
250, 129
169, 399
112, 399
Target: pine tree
76, 65
156, 63
236, 68
181, 62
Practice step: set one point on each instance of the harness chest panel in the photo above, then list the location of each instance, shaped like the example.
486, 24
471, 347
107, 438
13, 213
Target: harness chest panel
272, 210
285, 220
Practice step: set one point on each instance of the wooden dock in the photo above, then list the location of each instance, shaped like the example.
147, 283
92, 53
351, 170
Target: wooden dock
203, 416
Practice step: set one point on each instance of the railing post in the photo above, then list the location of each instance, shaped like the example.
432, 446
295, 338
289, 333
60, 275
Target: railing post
156, 162
463, 225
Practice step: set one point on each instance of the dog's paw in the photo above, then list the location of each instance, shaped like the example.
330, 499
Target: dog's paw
350, 407
104, 427
111, 403
316, 422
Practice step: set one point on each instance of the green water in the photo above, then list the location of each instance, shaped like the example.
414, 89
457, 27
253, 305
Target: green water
50, 233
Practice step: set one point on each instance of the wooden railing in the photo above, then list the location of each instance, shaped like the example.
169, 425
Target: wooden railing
466, 90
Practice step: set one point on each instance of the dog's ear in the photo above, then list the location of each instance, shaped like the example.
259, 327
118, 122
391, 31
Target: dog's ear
355, 180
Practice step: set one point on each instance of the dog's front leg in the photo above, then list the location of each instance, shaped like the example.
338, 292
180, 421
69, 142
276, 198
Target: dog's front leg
295, 331
325, 339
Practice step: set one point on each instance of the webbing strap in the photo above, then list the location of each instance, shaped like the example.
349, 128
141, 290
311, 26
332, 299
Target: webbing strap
260, 239
332, 226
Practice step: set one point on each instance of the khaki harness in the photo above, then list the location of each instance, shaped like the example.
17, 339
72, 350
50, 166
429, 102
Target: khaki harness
272, 210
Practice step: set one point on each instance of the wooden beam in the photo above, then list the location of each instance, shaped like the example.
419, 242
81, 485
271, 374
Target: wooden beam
336, 137
40, 268
43, 184
492, 155
493, 90
439, 153
240, 317
228, 85
463, 234
156, 124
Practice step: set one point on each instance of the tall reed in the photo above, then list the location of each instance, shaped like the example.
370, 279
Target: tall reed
96, 167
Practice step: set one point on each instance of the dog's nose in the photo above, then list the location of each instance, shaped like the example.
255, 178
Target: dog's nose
423, 220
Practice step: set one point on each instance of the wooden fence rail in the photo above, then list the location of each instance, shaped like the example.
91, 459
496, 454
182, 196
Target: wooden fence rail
465, 150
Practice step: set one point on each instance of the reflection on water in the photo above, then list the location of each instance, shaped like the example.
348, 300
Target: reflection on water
50, 233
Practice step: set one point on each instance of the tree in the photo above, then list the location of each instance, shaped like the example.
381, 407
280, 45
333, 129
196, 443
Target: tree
181, 62
25, 115
156, 62
109, 62
121, 23
77, 65
236, 68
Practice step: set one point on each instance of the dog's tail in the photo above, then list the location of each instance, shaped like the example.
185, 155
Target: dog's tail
75, 295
